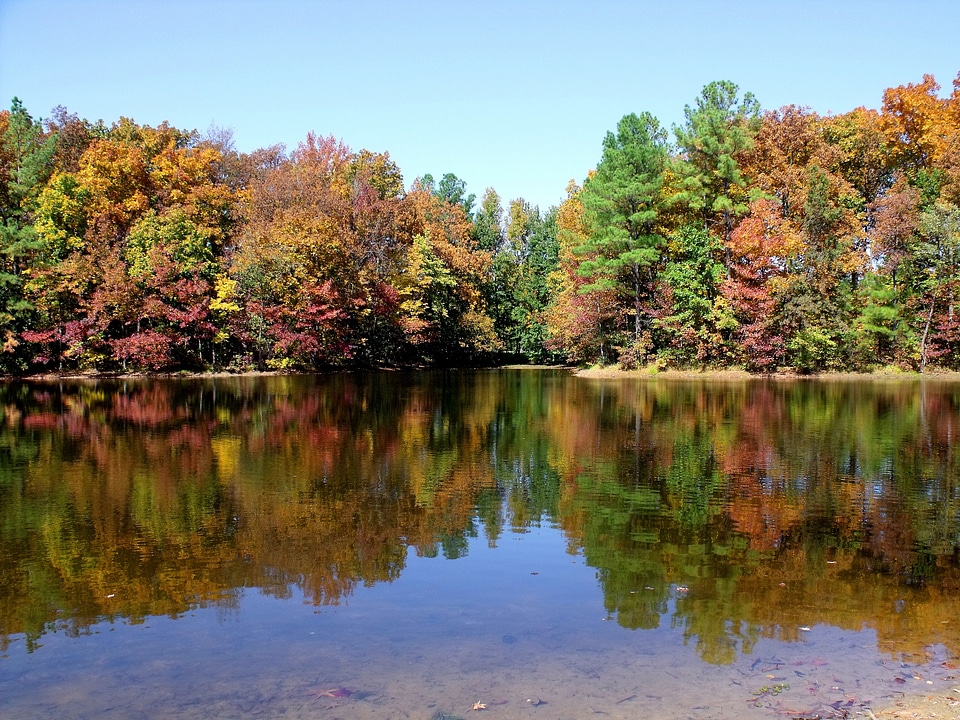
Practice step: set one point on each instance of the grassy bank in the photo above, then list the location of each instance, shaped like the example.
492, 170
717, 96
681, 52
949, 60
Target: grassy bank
651, 372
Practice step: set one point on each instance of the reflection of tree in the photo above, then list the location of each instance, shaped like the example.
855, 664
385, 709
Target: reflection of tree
140, 498
770, 506
738, 510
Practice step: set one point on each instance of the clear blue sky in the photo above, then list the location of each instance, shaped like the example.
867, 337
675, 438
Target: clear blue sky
515, 95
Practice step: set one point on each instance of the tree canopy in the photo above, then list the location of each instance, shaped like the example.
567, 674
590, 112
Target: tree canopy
765, 239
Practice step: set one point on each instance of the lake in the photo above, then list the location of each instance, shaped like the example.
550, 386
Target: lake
418, 544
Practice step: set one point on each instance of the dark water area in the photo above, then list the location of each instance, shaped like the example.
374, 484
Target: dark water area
411, 544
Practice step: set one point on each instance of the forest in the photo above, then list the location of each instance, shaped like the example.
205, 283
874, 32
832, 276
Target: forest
767, 240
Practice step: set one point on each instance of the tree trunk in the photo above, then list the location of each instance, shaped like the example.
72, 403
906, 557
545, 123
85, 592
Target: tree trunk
636, 305
926, 331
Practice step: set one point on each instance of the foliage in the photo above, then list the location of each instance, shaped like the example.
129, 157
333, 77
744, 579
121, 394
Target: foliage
623, 202
767, 239
833, 233
579, 317
694, 317
26, 162
717, 132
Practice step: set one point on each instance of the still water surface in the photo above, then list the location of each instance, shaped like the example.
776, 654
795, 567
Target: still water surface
406, 545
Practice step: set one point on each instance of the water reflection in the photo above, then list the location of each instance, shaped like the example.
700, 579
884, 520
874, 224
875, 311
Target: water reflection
737, 511
774, 506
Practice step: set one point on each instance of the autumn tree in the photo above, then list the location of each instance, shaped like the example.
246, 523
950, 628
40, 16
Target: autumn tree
916, 125
940, 253
129, 242
297, 241
815, 302
892, 221
773, 240
73, 137
861, 151
428, 297
376, 187
788, 141
464, 330
949, 158
763, 248
579, 317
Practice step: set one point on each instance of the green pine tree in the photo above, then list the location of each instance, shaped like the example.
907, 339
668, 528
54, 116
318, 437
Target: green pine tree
623, 201
29, 154
717, 131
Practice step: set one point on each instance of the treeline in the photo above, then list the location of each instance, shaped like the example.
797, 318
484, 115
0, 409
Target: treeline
767, 240
142, 248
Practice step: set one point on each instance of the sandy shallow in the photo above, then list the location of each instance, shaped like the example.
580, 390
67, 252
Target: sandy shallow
537, 674
928, 707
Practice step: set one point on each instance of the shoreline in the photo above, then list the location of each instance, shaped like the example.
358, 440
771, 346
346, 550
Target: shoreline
731, 374
610, 372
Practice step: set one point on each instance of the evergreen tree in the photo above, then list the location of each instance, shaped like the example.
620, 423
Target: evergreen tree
623, 200
718, 130
26, 154
543, 257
